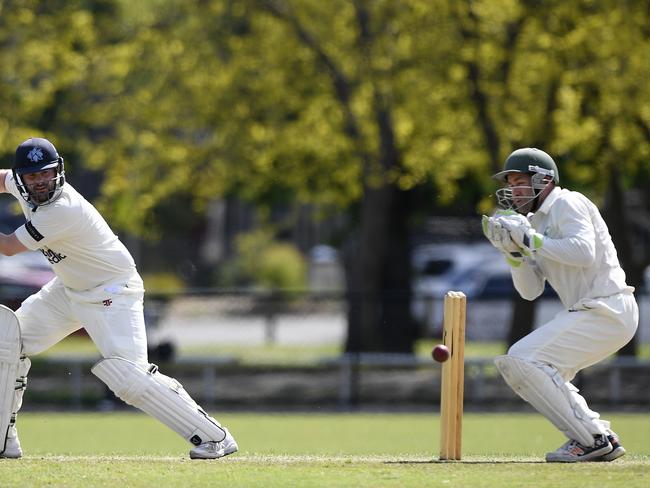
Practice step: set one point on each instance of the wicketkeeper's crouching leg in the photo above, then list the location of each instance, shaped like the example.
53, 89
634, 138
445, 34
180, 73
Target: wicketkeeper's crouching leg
543, 387
165, 399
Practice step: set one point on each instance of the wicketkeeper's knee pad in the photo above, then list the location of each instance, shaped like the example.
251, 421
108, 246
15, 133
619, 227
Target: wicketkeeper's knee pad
161, 397
543, 387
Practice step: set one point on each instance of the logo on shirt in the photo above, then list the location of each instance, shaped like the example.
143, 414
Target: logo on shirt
553, 232
108, 302
52, 256
35, 155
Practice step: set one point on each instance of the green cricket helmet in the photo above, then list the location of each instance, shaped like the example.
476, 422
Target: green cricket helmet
532, 161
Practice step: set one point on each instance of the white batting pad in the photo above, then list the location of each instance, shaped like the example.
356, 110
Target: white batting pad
544, 388
9, 360
161, 397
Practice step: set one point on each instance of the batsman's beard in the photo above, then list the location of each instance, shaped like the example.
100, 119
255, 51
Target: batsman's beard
41, 193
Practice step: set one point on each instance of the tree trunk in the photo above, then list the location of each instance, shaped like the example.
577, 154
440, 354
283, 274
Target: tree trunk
620, 231
379, 278
399, 331
367, 269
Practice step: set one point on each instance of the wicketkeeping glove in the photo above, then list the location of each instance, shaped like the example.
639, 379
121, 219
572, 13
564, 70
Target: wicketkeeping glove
522, 233
499, 237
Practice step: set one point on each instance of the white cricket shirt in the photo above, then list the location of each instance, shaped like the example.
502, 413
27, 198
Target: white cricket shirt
577, 256
80, 246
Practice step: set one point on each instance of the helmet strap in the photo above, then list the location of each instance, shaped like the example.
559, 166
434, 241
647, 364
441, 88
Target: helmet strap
540, 183
536, 202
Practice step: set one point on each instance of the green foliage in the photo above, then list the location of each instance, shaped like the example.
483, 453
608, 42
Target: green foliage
162, 282
282, 266
271, 265
261, 98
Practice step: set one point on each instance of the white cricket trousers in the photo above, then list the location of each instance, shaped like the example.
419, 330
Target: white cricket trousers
582, 336
112, 314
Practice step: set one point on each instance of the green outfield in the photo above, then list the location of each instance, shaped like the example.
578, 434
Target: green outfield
373, 450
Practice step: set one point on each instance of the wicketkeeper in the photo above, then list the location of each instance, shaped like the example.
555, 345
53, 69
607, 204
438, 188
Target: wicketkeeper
96, 287
548, 233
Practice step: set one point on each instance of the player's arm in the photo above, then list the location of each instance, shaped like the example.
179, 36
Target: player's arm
577, 245
10, 245
3, 177
527, 280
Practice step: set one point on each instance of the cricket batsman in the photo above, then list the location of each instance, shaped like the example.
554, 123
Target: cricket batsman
548, 233
96, 287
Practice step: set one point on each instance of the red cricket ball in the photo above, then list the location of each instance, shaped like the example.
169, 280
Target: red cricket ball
440, 353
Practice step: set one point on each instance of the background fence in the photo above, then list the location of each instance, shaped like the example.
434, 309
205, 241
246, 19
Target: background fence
199, 335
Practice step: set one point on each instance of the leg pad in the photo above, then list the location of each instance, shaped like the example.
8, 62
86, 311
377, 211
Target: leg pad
543, 387
10, 345
161, 397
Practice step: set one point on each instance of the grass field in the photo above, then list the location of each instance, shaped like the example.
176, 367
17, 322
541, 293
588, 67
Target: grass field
313, 450
318, 450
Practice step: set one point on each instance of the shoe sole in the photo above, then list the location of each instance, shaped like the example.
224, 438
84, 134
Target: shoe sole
226, 453
592, 456
11, 455
611, 456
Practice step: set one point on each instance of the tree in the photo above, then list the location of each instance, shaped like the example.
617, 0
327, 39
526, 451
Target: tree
326, 118
380, 94
351, 106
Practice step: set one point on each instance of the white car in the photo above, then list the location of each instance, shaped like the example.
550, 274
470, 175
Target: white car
478, 270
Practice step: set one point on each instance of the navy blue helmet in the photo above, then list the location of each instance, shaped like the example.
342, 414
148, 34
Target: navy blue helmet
32, 156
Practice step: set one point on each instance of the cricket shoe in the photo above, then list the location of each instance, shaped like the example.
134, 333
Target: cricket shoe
617, 449
572, 451
12, 448
215, 450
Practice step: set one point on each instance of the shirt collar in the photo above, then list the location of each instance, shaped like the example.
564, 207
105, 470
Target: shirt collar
550, 198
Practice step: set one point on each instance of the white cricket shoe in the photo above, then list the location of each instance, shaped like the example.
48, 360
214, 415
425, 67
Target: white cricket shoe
215, 450
572, 451
12, 445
